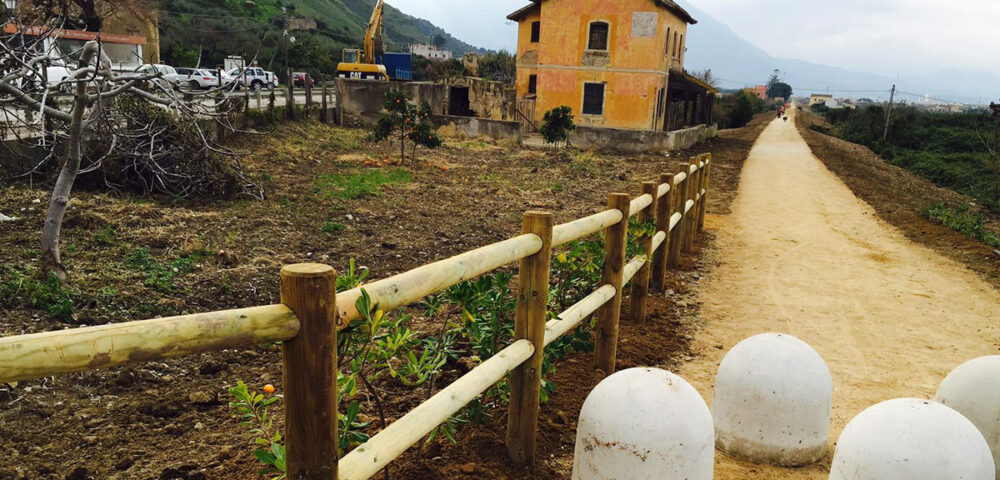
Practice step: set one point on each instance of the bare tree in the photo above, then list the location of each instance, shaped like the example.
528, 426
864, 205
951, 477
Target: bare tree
102, 111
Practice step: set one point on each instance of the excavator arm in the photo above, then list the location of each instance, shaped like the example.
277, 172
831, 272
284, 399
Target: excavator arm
373, 36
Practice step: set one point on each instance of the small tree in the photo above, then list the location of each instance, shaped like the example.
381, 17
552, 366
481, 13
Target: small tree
556, 125
403, 118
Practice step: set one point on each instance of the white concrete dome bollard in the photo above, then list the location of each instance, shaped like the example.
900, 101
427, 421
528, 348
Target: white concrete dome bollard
973, 389
644, 424
772, 402
910, 438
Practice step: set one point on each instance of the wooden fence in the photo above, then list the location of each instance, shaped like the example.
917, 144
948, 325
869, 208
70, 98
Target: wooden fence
311, 313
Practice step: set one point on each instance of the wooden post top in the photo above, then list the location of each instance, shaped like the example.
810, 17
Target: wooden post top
306, 270
537, 213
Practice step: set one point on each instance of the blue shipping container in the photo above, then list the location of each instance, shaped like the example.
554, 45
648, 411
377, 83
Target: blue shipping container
399, 66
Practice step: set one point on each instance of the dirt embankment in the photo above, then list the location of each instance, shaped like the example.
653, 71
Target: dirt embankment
899, 196
170, 419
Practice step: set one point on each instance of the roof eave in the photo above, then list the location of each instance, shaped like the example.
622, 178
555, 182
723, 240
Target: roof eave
518, 15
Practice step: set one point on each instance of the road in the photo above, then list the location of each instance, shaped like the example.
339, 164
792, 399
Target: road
800, 254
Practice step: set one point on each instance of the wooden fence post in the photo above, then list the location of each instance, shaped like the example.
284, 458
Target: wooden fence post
307, 81
310, 372
532, 303
290, 102
615, 237
664, 209
324, 113
704, 184
676, 237
640, 283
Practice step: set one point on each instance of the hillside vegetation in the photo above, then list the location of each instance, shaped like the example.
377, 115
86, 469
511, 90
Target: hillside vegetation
204, 32
951, 150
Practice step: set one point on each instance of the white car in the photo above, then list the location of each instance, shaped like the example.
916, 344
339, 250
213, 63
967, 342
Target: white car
256, 77
197, 78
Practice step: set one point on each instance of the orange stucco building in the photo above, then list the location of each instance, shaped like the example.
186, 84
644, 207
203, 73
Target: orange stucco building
617, 64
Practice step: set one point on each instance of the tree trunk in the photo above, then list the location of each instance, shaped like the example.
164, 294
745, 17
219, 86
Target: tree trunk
51, 261
402, 145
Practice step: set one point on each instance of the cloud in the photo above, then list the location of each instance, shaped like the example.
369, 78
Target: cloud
881, 36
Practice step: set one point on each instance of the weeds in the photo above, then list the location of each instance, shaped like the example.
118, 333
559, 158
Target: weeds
43, 293
158, 276
333, 227
360, 185
252, 410
962, 220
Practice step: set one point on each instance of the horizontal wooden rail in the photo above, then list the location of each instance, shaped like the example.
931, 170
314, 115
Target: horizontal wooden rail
414, 285
366, 460
632, 268
575, 314
675, 219
662, 190
24, 357
639, 204
577, 229
658, 240
687, 206
680, 177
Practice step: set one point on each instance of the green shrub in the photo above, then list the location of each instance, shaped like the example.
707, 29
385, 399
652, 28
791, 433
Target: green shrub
401, 118
556, 125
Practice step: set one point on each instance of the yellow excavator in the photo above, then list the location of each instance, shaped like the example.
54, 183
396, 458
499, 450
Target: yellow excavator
362, 65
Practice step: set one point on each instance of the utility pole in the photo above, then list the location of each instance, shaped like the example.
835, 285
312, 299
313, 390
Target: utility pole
888, 115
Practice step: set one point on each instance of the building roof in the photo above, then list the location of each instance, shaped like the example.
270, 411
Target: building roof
668, 4
824, 95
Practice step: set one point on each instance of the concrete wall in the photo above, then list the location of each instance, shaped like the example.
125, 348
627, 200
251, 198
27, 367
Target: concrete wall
492, 100
360, 101
633, 141
466, 127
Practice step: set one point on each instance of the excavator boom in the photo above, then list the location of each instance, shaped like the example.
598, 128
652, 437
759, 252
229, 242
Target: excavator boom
373, 36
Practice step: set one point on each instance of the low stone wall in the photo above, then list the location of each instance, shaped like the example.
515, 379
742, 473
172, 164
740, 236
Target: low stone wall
637, 141
466, 127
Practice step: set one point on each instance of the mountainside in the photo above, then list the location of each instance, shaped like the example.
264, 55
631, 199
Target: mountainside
204, 32
713, 45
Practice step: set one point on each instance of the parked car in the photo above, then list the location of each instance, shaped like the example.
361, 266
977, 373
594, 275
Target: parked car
168, 76
299, 79
256, 77
197, 78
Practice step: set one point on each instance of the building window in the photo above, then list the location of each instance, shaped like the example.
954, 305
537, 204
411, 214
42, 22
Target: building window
598, 39
667, 52
674, 51
532, 84
536, 31
593, 99
680, 49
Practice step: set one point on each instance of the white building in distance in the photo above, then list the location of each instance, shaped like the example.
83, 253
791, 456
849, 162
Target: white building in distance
430, 52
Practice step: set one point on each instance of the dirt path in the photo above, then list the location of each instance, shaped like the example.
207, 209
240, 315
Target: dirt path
801, 254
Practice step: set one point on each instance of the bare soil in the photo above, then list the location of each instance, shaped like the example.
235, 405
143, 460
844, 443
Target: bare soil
801, 254
169, 420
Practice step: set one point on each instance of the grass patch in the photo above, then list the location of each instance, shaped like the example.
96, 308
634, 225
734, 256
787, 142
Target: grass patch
962, 220
333, 227
47, 294
159, 276
361, 184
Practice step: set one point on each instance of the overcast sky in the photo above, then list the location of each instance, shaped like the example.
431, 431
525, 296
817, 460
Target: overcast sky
878, 36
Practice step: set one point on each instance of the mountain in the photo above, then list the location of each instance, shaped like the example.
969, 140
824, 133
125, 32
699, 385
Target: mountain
204, 32
738, 63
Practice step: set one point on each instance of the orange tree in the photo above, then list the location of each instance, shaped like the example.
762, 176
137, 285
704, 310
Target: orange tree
401, 117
